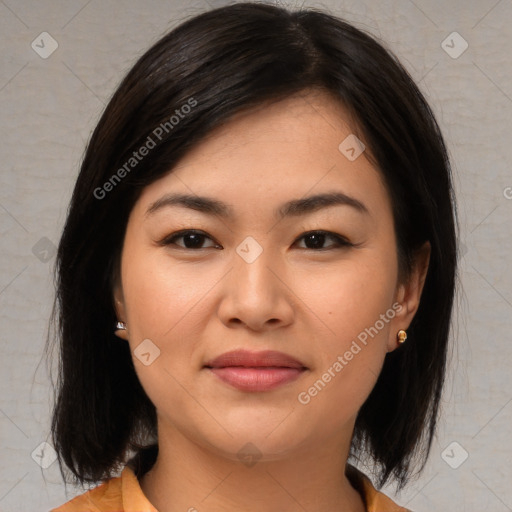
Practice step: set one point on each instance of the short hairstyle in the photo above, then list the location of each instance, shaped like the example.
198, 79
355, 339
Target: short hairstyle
219, 63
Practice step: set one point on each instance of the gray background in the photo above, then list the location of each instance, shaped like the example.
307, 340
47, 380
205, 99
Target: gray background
49, 107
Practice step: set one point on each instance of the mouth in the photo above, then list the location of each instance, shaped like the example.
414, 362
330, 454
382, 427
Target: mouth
255, 371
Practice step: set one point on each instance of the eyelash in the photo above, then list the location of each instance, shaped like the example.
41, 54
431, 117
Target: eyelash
340, 241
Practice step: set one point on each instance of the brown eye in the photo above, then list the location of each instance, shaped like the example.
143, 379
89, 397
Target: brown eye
315, 240
192, 239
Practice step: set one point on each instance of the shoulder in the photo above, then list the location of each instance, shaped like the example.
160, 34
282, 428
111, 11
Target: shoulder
106, 497
118, 494
375, 501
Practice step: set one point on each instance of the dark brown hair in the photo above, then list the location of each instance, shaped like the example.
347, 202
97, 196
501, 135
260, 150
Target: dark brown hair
219, 63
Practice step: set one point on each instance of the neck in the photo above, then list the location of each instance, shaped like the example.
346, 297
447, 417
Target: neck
189, 477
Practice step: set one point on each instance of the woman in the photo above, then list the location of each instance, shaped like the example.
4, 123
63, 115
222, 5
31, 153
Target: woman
256, 275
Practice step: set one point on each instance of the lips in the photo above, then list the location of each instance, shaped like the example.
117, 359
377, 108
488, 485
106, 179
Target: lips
255, 371
266, 359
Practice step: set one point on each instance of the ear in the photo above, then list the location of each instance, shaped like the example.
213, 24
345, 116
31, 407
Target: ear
408, 293
119, 306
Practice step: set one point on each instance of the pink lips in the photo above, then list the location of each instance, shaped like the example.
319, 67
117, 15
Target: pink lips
255, 371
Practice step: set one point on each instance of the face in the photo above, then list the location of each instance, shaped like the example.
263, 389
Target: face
315, 281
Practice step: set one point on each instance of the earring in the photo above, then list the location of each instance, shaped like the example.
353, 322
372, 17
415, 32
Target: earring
121, 326
401, 336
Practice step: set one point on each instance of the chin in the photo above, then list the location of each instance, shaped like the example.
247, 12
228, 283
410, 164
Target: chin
250, 449
253, 441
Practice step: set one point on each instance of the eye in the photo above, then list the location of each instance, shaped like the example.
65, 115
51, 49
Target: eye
192, 239
316, 239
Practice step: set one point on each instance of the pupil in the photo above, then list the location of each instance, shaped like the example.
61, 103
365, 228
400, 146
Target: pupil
319, 239
196, 240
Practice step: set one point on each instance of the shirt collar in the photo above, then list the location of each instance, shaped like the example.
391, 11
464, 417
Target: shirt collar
134, 499
375, 501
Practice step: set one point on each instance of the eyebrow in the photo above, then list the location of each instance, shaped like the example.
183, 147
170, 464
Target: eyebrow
293, 208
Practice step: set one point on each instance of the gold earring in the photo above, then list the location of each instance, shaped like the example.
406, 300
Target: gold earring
401, 336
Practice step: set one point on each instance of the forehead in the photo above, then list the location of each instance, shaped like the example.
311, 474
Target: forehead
280, 150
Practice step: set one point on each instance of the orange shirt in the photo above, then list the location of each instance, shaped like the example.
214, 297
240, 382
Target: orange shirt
123, 494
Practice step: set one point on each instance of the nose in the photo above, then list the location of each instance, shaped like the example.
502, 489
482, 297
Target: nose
256, 295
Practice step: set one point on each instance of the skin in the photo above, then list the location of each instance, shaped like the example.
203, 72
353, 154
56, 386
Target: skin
195, 304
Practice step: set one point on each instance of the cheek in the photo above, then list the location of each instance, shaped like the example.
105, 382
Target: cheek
350, 298
161, 294
355, 306
163, 306
169, 304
